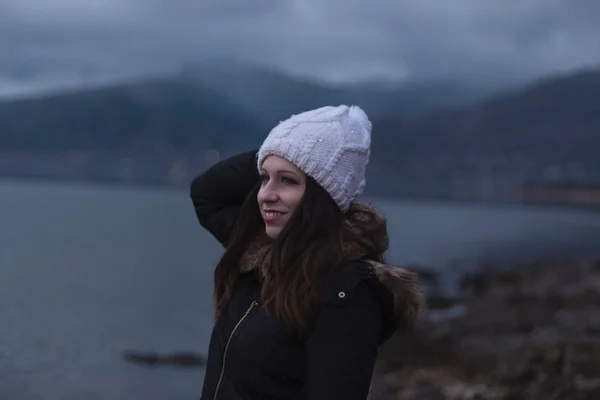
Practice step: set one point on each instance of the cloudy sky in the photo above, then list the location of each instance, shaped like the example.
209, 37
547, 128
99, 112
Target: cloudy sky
53, 43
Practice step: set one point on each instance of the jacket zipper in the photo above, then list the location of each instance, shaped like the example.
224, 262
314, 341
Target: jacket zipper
252, 305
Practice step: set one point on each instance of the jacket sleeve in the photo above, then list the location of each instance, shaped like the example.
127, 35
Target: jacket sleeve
218, 193
341, 347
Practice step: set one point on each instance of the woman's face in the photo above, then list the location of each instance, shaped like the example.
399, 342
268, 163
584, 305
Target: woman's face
281, 191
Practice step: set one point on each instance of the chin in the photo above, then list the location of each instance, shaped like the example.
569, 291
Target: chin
272, 232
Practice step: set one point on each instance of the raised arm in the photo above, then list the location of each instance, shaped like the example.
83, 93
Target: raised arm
219, 192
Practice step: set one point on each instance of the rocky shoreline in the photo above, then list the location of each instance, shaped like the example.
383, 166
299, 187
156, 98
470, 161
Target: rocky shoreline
184, 359
525, 332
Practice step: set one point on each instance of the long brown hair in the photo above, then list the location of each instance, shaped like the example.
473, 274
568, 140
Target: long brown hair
307, 249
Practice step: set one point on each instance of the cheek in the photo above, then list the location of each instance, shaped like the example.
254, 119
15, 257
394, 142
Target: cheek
294, 198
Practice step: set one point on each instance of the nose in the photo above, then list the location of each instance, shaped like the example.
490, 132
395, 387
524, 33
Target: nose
267, 194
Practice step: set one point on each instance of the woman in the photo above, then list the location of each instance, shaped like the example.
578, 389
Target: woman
302, 297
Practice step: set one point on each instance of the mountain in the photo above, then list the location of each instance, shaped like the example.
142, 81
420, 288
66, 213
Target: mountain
545, 133
273, 96
170, 113
556, 114
153, 130
216, 104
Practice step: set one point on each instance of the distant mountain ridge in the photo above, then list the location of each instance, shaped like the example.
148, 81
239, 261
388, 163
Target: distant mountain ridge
156, 130
169, 112
561, 110
212, 105
272, 95
545, 133
548, 131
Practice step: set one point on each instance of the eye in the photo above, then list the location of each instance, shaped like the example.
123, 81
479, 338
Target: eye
264, 178
289, 181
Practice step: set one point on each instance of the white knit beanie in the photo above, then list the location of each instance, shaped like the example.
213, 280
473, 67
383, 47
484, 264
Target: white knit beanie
329, 144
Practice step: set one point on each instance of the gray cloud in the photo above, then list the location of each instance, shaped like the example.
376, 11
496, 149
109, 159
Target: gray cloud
46, 44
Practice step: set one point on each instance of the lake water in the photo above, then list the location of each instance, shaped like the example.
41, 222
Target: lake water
89, 272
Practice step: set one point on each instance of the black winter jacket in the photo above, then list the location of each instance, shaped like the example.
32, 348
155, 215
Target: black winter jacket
253, 356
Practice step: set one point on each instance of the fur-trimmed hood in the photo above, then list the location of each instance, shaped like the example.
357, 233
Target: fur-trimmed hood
369, 227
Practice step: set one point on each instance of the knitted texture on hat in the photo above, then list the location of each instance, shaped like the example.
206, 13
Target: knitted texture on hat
330, 144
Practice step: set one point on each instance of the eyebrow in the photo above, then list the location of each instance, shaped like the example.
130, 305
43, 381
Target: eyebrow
279, 171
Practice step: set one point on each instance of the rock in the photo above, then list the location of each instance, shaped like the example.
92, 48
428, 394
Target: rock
529, 332
584, 358
181, 359
427, 392
442, 302
582, 320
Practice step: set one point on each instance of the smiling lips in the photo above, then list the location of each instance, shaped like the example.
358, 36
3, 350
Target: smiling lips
272, 215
